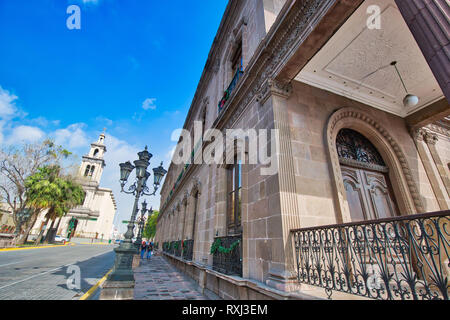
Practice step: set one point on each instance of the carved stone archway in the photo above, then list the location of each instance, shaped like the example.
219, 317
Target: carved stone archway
405, 189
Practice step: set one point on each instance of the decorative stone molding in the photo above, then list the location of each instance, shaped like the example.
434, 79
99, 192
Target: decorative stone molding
418, 134
431, 138
407, 195
185, 198
273, 87
438, 129
206, 101
242, 23
196, 187
363, 165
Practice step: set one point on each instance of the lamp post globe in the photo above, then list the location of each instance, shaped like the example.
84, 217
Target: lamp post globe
158, 174
125, 171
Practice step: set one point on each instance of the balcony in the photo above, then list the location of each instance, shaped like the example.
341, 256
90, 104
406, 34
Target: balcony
227, 255
230, 89
188, 250
402, 258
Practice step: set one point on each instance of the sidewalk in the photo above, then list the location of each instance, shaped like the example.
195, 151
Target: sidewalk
156, 279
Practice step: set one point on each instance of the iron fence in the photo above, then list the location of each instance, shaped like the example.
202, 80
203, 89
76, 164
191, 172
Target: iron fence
403, 258
177, 248
227, 255
188, 250
166, 247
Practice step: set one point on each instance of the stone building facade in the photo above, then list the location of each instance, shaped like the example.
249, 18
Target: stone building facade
329, 76
95, 218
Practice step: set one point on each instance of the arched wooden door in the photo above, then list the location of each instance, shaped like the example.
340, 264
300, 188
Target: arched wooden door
365, 176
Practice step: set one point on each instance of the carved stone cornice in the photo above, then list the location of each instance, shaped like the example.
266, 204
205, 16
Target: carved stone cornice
274, 87
438, 129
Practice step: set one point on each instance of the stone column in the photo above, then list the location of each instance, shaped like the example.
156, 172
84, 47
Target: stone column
184, 214
194, 222
220, 214
419, 137
174, 224
177, 222
166, 225
282, 273
429, 24
431, 139
170, 226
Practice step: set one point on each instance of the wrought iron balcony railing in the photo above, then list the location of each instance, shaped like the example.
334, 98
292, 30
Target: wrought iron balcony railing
403, 258
188, 250
177, 248
230, 89
172, 248
227, 255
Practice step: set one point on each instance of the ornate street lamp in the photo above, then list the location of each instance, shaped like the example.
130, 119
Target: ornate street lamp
141, 224
122, 278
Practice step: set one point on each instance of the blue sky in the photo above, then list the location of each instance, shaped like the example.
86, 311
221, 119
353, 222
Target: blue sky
133, 68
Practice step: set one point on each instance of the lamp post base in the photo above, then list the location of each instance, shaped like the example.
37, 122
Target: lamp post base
120, 283
117, 290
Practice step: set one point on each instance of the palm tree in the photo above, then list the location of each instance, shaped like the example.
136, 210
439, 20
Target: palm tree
48, 189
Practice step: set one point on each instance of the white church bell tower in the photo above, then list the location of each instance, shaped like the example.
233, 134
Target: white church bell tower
91, 168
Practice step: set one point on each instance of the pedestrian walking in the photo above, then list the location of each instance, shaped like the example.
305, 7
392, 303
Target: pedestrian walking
150, 249
143, 248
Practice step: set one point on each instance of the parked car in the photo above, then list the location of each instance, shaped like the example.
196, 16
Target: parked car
118, 241
61, 239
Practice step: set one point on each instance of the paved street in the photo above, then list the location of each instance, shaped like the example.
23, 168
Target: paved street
43, 273
156, 279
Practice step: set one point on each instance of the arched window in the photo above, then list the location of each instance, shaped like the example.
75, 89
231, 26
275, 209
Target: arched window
354, 146
96, 152
88, 169
92, 171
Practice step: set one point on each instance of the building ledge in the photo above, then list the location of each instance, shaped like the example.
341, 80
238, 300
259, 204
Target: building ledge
244, 283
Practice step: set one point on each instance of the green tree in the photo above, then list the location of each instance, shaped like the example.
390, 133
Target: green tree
150, 228
49, 189
17, 163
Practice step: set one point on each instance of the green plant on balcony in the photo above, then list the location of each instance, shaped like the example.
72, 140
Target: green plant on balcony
216, 246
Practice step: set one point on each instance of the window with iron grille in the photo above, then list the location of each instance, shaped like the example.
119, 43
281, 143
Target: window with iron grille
234, 196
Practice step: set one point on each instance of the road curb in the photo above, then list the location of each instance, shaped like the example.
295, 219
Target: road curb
91, 291
33, 248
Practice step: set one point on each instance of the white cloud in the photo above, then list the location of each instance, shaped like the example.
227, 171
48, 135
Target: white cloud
72, 137
149, 104
104, 121
8, 106
25, 134
2, 123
